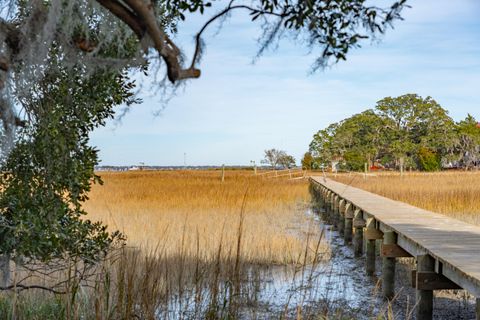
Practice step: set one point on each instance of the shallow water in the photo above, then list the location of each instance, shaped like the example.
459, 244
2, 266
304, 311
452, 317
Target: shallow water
335, 285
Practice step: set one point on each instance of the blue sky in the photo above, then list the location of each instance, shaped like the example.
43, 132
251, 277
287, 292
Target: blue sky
237, 109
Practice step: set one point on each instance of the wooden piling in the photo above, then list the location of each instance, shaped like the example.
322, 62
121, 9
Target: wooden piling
340, 218
331, 197
370, 249
388, 267
321, 200
358, 224
477, 309
347, 235
424, 298
334, 212
332, 203
328, 206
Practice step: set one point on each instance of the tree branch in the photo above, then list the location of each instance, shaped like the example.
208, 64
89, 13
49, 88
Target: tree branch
162, 43
229, 8
140, 17
24, 287
126, 15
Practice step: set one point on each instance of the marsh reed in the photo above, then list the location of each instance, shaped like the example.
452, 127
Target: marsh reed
196, 248
190, 211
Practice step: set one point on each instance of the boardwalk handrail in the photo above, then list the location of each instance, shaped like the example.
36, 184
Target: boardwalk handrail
291, 173
447, 250
274, 171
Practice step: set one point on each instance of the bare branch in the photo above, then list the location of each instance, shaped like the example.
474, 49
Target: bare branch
225, 11
21, 287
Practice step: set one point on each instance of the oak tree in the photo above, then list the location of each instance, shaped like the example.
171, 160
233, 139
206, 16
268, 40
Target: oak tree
408, 130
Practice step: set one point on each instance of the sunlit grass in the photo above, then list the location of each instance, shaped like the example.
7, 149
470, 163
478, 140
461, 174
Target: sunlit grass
196, 248
193, 211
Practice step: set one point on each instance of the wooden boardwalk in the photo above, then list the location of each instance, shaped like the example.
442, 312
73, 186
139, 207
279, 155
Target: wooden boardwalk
447, 250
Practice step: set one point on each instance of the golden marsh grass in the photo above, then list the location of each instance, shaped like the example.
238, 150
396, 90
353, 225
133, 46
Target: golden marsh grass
453, 193
193, 212
197, 248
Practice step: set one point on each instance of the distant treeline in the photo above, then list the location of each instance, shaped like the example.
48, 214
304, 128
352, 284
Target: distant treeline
407, 131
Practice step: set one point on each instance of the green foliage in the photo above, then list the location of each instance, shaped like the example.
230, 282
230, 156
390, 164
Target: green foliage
323, 146
468, 143
407, 129
49, 172
354, 161
29, 309
429, 160
356, 140
413, 122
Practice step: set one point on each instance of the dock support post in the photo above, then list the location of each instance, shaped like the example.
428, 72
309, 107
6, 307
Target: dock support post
358, 224
370, 250
333, 211
340, 216
317, 198
424, 298
347, 235
388, 267
320, 200
328, 206
477, 309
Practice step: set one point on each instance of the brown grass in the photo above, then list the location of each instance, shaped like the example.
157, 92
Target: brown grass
190, 211
453, 193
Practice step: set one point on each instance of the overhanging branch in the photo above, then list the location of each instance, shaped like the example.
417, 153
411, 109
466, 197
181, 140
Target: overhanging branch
140, 17
126, 15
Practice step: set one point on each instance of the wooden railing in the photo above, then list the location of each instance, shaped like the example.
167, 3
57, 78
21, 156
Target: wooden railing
284, 173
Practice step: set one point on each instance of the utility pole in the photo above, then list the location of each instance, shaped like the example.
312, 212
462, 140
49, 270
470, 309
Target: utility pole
184, 160
223, 173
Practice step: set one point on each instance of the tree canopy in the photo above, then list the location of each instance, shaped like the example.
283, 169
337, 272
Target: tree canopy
407, 130
278, 158
63, 70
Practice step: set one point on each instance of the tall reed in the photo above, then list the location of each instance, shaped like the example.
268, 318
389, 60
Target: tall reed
197, 248
177, 209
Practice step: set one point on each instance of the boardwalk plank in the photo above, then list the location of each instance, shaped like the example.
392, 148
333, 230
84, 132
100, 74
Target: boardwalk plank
454, 243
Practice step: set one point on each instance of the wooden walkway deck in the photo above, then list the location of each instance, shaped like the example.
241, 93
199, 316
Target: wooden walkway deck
454, 246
